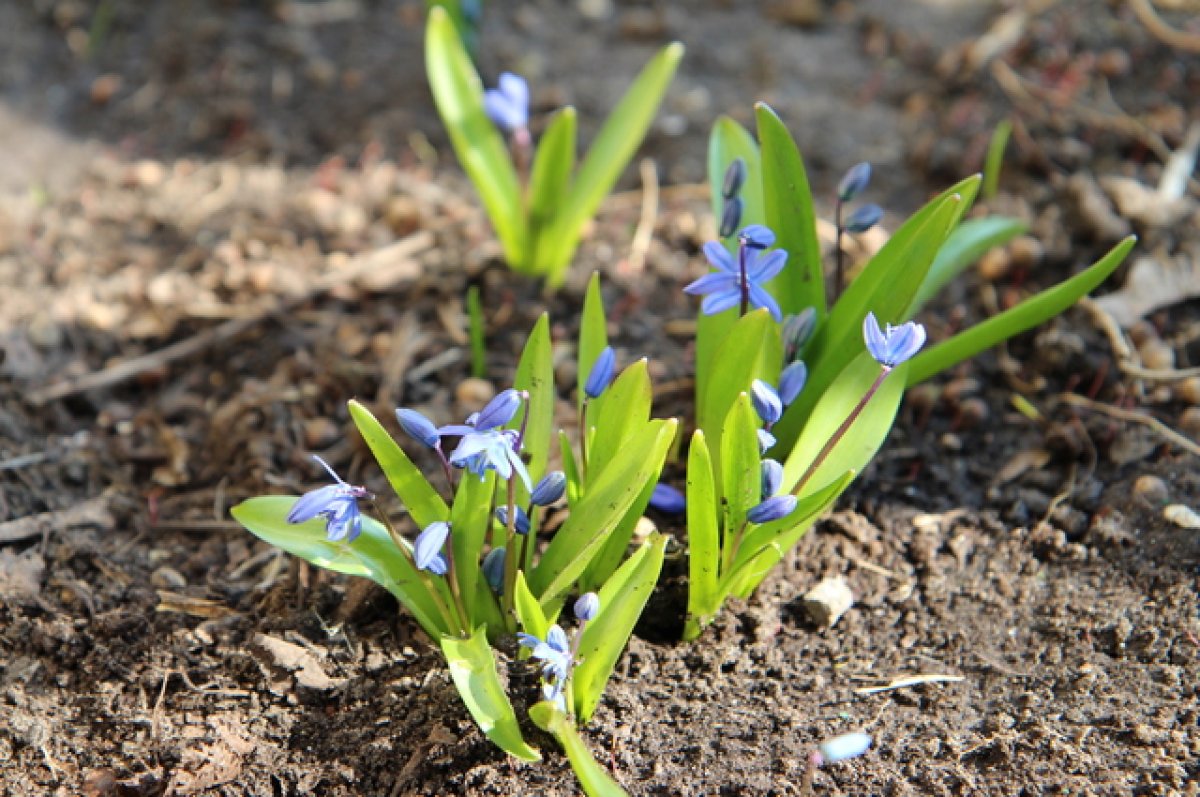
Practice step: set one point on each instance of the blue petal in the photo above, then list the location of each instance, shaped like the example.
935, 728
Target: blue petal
873, 337
774, 508
429, 544
418, 427
712, 282
766, 402
499, 411
757, 236
792, 381
772, 477
766, 267
314, 502
720, 302
719, 257
666, 498
557, 639
516, 90
760, 298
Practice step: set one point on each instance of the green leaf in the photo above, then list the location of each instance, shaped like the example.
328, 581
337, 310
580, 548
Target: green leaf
704, 540
624, 410
593, 334
372, 554
741, 468
622, 600
480, 148
414, 491
609, 495
570, 469
470, 520
1027, 314
535, 373
477, 331
614, 145
963, 247
864, 437
592, 777
786, 532
529, 612
995, 158
605, 563
550, 179
473, 668
789, 210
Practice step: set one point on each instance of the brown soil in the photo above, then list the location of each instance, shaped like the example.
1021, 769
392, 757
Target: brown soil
266, 185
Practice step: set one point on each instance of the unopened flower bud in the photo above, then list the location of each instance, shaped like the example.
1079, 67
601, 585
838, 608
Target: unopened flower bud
756, 236
601, 373
549, 488
666, 498
772, 477
587, 606
520, 524
791, 382
418, 427
774, 508
766, 402
854, 181
797, 329
731, 216
735, 178
493, 569
863, 218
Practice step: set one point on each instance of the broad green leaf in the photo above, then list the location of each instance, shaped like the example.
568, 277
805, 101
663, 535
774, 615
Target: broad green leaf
741, 470
529, 612
481, 150
470, 520
592, 777
550, 179
728, 141
414, 491
622, 600
609, 495
593, 334
964, 247
485, 609
704, 540
535, 373
788, 205
570, 469
625, 409
372, 554
473, 668
864, 436
618, 139
786, 531
602, 566
1027, 314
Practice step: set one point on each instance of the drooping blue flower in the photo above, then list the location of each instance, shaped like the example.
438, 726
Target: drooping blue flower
601, 373
722, 289
840, 748
427, 550
549, 488
508, 105
520, 524
773, 508
772, 477
756, 236
766, 402
493, 569
587, 607
854, 181
337, 503
495, 449
791, 382
893, 345
554, 653
418, 427
863, 218
666, 498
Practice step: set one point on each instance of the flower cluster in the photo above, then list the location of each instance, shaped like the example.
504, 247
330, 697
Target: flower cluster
557, 653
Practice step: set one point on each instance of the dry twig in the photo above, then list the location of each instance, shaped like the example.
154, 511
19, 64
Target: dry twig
1170, 435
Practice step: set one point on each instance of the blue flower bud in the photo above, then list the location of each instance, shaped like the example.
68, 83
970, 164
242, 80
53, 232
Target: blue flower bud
499, 411
854, 181
667, 499
520, 525
735, 178
601, 373
428, 546
766, 402
549, 488
766, 441
731, 216
863, 218
774, 508
772, 477
840, 748
587, 606
418, 427
493, 569
756, 236
791, 382
797, 329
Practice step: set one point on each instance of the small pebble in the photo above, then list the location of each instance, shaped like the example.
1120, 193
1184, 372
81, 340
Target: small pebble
472, 393
1189, 390
320, 433
1150, 489
1182, 516
972, 412
828, 601
1189, 422
1026, 251
1157, 354
995, 264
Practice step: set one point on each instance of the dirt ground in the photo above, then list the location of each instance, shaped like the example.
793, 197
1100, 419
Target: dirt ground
221, 219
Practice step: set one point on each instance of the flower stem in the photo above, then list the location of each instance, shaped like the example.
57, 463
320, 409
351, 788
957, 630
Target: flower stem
583, 452
841, 431
839, 274
730, 553
511, 559
743, 279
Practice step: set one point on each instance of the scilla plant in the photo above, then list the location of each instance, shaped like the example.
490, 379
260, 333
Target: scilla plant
465, 559
537, 201
798, 381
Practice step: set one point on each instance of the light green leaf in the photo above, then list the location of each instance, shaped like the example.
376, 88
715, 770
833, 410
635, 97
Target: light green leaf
1027, 314
476, 329
470, 520
535, 373
570, 469
994, 160
529, 612
372, 554
614, 145
965, 245
704, 541
788, 204
414, 491
602, 566
593, 334
622, 410
622, 600
480, 148
741, 470
473, 668
592, 777
784, 533
550, 179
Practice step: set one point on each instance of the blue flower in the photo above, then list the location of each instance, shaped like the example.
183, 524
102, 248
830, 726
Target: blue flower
791, 382
666, 498
774, 508
894, 345
496, 413
587, 607
427, 550
508, 105
863, 218
418, 427
549, 488
723, 288
495, 449
337, 503
766, 402
520, 524
601, 373
554, 653
854, 181
772, 477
